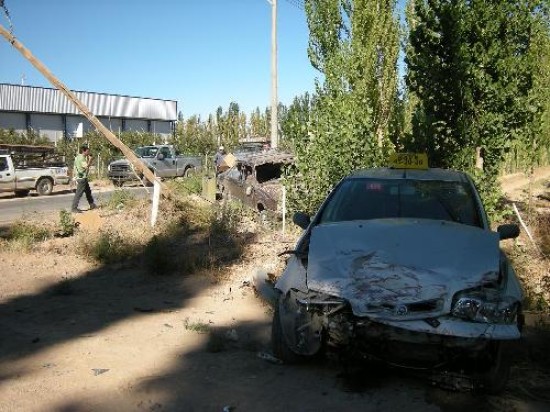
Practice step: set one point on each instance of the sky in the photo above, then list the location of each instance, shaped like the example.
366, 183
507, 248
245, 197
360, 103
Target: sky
201, 53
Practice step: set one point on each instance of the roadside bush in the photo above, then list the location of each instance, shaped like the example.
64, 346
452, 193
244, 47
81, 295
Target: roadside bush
66, 223
186, 186
532, 263
121, 199
22, 235
107, 247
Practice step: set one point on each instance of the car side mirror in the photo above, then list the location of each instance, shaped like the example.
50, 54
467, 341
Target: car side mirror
301, 219
160, 156
508, 231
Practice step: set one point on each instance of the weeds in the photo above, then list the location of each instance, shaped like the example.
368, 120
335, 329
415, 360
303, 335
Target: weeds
66, 224
199, 326
108, 247
121, 199
225, 221
187, 186
22, 235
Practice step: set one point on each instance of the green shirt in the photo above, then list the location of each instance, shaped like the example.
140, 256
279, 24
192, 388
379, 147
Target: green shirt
80, 167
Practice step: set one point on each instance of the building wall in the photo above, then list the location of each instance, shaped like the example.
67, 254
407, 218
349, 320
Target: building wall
15, 121
49, 113
136, 125
48, 125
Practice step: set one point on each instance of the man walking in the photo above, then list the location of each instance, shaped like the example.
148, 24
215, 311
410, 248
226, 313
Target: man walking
81, 168
218, 159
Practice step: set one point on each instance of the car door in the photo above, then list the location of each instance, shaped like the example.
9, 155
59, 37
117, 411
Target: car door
232, 182
165, 163
6, 176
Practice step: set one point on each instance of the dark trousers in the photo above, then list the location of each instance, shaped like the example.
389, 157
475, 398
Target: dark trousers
82, 186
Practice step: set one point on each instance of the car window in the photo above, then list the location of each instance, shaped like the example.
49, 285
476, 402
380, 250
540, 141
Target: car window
365, 199
147, 151
165, 151
268, 171
3, 164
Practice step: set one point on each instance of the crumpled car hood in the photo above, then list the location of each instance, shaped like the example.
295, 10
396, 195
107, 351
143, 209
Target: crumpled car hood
385, 268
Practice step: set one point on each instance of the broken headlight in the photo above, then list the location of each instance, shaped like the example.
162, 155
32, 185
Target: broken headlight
485, 307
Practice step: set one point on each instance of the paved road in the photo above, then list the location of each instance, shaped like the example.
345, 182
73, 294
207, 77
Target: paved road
12, 208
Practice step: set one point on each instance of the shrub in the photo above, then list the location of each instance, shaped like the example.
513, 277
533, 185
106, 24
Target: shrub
187, 186
108, 247
23, 235
66, 223
121, 199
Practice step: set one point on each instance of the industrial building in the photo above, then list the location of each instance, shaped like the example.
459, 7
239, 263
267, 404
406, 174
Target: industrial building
49, 113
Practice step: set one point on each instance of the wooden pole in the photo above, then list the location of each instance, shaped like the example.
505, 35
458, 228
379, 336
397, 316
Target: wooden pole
128, 153
274, 98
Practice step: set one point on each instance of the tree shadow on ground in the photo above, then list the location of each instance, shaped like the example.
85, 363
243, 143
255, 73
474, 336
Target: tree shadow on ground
226, 374
84, 305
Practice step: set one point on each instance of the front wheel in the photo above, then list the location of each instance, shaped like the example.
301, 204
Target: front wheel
190, 171
44, 186
281, 350
494, 377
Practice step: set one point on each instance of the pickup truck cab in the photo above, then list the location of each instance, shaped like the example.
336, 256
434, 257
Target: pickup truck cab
163, 160
21, 180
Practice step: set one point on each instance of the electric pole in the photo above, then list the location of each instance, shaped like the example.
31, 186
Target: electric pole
274, 99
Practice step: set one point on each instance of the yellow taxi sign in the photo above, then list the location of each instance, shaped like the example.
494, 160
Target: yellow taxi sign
408, 161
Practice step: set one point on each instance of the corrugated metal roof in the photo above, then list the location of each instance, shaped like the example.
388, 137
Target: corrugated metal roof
31, 99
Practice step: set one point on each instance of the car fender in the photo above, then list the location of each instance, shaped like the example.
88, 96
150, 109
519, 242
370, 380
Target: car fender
294, 276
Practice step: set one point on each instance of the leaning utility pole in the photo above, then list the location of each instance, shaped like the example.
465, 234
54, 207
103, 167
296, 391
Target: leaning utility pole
274, 99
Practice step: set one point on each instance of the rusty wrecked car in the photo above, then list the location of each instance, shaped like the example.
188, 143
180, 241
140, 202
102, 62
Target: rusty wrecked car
254, 179
401, 265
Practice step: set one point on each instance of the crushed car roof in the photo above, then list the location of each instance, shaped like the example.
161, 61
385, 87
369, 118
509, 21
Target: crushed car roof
416, 174
271, 156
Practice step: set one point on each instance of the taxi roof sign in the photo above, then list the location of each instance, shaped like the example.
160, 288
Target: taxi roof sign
408, 161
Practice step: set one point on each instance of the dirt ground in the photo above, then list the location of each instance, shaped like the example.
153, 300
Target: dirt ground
79, 336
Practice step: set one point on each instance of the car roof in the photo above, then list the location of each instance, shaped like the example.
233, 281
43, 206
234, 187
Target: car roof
271, 156
415, 174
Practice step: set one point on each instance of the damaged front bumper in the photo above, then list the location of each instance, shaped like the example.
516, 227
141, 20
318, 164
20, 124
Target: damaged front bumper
311, 321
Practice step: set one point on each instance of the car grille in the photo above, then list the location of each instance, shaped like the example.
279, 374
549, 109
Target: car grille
408, 310
120, 168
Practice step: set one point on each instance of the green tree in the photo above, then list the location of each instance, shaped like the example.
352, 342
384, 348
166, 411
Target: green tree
471, 65
355, 46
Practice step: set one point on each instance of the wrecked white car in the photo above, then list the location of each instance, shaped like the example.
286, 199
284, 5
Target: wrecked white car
401, 265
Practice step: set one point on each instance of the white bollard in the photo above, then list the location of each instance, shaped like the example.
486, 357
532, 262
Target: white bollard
156, 201
284, 209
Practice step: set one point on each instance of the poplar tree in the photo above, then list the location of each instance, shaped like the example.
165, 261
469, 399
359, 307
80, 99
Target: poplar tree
354, 44
471, 65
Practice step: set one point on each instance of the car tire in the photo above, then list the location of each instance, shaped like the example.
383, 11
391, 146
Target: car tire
281, 350
21, 193
494, 376
190, 171
117, 183
44, 186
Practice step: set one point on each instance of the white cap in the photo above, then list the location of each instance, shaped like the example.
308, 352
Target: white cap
221, 147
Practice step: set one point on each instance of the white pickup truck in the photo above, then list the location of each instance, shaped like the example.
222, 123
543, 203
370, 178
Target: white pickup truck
21, 180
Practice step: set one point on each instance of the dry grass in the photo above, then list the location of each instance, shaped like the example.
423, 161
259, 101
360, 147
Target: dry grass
531, 260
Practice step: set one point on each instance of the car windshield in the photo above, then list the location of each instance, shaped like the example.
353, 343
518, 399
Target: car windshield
365, 199
147, 151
